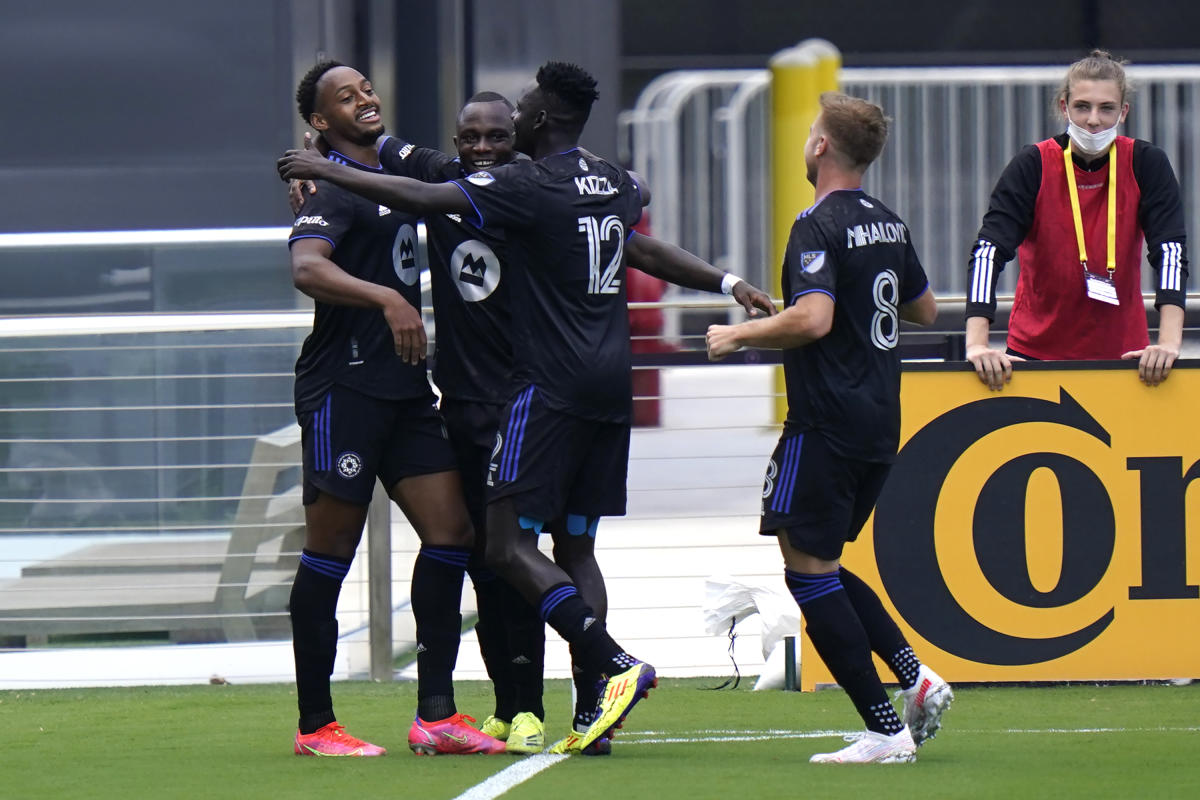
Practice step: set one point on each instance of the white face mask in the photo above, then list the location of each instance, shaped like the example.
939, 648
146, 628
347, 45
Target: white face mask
1088, 143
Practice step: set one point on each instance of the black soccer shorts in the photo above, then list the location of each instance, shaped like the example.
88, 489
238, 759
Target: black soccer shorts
553, 464
352, 439
818, 498
472, 427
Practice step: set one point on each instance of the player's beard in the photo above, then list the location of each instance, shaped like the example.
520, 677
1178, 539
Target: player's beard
368, 136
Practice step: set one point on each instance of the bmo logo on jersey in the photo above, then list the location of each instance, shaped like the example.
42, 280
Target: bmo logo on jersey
406, 256
475, 270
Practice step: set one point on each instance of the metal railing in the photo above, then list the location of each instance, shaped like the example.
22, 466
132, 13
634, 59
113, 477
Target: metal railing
700, 139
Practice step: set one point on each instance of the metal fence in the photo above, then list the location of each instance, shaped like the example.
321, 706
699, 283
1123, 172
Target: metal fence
149, 496
701, 141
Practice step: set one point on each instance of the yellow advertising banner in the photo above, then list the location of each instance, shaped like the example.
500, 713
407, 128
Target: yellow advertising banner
1040, 533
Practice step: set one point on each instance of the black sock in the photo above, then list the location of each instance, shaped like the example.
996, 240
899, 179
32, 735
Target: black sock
436, 597
527, 651
563, 608
588, 685
841, 641
313, 607
493, 639
886, 639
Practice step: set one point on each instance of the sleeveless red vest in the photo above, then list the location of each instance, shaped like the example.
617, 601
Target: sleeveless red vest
1052, 316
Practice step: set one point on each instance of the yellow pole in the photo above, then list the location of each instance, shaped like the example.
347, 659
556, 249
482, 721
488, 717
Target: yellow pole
798, 76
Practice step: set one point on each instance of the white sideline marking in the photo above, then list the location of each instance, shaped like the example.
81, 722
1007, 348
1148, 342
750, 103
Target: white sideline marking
512, 776
525, 769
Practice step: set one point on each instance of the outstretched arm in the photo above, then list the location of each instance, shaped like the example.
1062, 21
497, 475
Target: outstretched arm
676, 265
393, 191
805, 321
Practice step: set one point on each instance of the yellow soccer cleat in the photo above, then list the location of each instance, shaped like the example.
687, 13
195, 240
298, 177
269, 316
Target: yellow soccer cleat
620, 695
495, 727
528, 734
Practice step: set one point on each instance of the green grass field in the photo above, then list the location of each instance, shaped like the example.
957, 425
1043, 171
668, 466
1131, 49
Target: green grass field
1079, 741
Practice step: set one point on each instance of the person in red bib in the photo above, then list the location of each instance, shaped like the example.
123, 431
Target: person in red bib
1075, 209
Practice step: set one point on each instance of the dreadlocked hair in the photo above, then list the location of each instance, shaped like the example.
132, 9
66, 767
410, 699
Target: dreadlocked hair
569, 87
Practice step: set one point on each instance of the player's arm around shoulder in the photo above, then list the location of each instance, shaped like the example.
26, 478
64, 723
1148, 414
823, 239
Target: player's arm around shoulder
807, 319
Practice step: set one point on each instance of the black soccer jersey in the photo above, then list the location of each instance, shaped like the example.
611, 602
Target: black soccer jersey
566, 218
846, 385
473, 357
353, 346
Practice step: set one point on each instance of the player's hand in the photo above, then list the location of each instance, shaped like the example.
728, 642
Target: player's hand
305, 164
1154, 362
721, 341
994, 367
754, 300
297, 189
297, 192
408, 330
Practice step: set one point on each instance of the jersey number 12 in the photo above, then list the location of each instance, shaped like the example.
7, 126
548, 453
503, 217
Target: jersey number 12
599, 231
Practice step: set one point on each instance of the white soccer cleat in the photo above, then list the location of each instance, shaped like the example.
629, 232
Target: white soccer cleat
924, 704
873, 748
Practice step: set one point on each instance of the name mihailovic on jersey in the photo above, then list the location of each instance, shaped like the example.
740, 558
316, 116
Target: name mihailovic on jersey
876, 232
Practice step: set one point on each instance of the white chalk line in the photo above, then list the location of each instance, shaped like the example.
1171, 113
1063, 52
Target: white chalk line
526, 768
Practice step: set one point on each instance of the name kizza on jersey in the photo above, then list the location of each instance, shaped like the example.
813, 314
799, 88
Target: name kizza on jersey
594, 185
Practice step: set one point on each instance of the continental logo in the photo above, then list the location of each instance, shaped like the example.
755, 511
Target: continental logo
957, 509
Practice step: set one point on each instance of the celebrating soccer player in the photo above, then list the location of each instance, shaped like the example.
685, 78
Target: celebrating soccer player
563, 443
367, 411
850, 274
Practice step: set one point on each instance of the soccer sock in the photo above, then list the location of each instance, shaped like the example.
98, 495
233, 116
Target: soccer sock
493, 641
436, 596
841, 641
588, 685
313, 609
526, 649
563, 608
886, 639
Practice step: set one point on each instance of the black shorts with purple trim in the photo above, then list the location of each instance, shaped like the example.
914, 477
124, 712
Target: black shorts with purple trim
819, 499
351, 439
552, 463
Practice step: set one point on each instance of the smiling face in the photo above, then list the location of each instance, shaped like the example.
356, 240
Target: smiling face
485, 136
346, 107
1094, 105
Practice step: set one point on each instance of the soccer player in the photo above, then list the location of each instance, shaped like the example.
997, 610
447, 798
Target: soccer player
471, 367
563, 443
366, 411
850, 274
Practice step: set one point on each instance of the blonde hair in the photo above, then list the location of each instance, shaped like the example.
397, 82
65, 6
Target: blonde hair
858, 128
1099, 65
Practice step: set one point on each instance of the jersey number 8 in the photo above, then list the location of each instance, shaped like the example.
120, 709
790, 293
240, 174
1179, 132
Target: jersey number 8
885, 323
